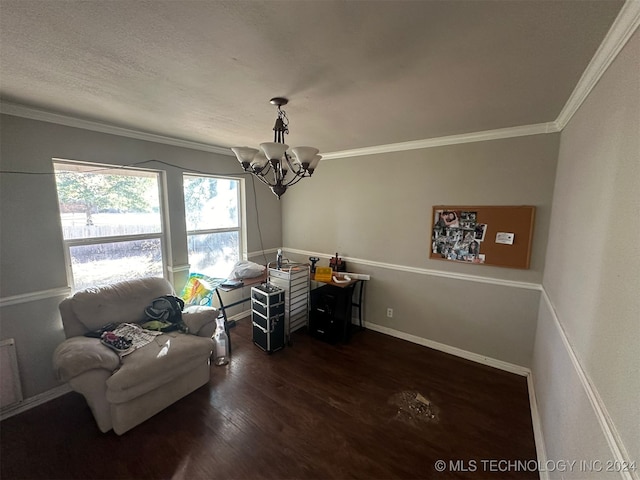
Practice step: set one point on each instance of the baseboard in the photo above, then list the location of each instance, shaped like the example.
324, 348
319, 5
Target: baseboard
484, 360
241, 315
541, 451
458, 352
56, 392
34, 401
44, 397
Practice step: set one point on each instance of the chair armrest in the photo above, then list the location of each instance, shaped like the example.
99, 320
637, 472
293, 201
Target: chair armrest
76, 355
201, 320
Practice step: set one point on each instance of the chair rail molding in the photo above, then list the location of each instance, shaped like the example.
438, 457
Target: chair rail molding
33, 296
424, 271
618, 450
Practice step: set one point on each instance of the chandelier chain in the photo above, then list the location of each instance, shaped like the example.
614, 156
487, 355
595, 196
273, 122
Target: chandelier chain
285, 120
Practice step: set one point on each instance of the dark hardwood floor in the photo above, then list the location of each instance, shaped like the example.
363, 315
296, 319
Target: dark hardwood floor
312, 411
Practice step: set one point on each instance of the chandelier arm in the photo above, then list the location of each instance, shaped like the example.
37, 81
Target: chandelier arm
300, 173
290, 163
263, 180
293, 181
265, 170
261, 174
276, 172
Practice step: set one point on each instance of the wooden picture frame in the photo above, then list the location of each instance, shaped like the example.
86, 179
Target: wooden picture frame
483, 235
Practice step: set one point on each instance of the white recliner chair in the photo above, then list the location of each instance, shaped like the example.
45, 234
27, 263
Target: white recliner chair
124, 392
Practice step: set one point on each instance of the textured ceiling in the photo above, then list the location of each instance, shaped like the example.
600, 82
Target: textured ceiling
357, 73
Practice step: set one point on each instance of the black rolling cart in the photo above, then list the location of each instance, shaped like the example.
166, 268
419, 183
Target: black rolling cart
330, 316
267, 317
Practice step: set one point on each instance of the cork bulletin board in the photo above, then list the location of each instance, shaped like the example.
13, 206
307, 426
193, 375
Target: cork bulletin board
483, 235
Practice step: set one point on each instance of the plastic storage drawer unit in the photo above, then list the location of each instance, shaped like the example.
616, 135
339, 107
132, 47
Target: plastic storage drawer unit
294, 280
267, 317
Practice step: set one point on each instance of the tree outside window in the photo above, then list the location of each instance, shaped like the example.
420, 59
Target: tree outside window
111, 223
213, 223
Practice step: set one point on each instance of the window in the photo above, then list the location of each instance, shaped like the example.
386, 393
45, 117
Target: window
111, 223
213, 218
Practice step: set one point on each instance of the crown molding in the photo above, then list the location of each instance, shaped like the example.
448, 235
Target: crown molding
617, 37
621, 30
524, 130
45, 116
18, 110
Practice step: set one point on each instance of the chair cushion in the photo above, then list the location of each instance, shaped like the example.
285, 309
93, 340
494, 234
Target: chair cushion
79, 354
156, 364
196, 316
122, 302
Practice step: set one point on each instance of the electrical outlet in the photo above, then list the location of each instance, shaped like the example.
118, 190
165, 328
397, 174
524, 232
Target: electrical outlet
389, 312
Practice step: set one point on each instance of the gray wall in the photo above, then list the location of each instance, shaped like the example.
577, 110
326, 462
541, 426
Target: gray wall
32, 268
376, 211
592, 279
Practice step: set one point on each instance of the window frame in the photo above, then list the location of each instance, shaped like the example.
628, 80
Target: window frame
241, 202
161, 235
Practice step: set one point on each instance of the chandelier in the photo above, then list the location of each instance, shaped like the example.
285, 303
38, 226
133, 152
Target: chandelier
274, 165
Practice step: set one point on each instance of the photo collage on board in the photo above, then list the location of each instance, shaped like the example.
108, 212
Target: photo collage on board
458, 236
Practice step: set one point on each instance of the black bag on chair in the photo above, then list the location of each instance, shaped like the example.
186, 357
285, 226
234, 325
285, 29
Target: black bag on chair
168, 310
